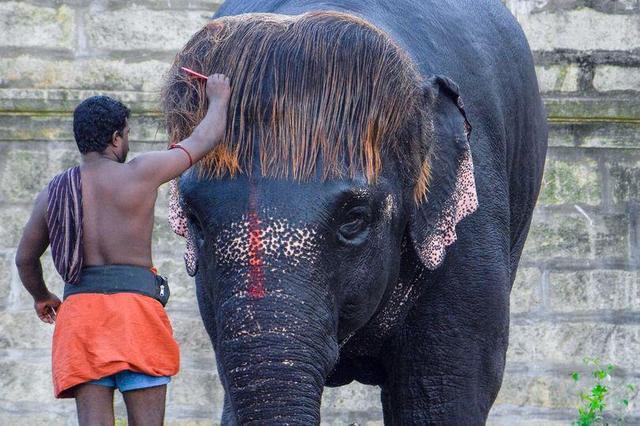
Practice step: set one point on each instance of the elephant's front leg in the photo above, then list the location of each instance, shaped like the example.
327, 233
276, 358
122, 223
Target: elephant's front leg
445, 366
228, 418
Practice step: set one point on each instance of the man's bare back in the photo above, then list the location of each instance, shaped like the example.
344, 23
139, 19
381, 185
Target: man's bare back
118, 215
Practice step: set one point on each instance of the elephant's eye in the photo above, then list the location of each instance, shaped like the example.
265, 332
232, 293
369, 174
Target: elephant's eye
355, 227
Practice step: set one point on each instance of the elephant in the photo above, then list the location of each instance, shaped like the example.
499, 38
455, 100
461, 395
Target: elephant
364, 216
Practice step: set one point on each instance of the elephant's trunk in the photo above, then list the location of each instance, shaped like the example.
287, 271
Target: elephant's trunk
275, 353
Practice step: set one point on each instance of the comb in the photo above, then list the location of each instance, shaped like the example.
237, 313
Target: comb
193, 73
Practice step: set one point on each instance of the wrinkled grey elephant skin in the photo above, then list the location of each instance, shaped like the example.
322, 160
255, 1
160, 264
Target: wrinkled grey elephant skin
348, 280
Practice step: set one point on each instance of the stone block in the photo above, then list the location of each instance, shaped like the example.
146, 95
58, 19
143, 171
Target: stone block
605, 6
524, 419
24, 330
59, 128
13, 220
23, 128
569, 342
63, 158
199, 5
570, 181
508, 415
562, 134
353, 398
611, 135
548, 389
348, 416
331, 416
624, 176
611, 237
580, 29
142, 30
6, 276
25, 174
149, 129
23, 300
197, 388
598, 108
26, 380
587, 134
558, 78
189, 331
608, 78
594, 290
581, 235
30, 419
89, 74
538, 390
27, 25
58, 101
554, 235
192, 422
526, 294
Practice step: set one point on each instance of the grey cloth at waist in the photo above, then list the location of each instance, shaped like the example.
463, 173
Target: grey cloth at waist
109, 279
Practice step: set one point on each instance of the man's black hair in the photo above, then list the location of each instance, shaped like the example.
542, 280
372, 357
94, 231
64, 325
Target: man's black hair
95, 120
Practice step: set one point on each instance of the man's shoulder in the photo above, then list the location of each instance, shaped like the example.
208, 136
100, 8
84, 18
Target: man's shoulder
137, 175
123, 185
64, 185
72, 173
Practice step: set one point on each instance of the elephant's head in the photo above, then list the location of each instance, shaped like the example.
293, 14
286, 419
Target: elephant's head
339, 162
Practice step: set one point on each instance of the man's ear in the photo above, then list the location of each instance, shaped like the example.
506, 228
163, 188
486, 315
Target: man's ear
451, 194
114, 138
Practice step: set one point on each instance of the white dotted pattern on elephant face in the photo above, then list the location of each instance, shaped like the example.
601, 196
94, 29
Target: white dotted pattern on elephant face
273, 239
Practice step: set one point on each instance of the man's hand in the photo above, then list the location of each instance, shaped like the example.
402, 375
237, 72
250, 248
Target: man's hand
211, 129
34, 241
156, 168
47, 308
218, 91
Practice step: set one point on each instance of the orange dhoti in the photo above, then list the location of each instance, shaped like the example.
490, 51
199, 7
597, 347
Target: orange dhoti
98, 335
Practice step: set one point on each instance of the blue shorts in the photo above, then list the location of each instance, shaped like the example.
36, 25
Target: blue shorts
130, 380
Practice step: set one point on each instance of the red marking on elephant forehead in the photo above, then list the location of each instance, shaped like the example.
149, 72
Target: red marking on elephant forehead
256, 271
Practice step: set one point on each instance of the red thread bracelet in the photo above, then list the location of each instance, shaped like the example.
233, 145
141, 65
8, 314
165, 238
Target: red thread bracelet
177, 145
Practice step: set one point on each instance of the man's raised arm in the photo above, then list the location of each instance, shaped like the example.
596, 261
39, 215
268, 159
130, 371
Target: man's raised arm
162, 166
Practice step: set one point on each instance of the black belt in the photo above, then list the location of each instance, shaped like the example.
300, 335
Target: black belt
109, 279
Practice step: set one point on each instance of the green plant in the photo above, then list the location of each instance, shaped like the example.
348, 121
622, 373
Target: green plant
593, 403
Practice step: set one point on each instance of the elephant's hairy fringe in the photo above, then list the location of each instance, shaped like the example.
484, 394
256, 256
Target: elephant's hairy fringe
422, 183
424, 172
322, 95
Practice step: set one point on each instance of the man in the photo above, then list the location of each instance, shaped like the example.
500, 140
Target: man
111, 331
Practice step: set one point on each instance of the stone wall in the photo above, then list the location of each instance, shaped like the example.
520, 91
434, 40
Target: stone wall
578, 289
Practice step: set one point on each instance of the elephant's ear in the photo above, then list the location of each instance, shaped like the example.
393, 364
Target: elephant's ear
178, 223
451, 194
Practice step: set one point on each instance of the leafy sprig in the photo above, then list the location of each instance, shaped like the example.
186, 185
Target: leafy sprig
591, 410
